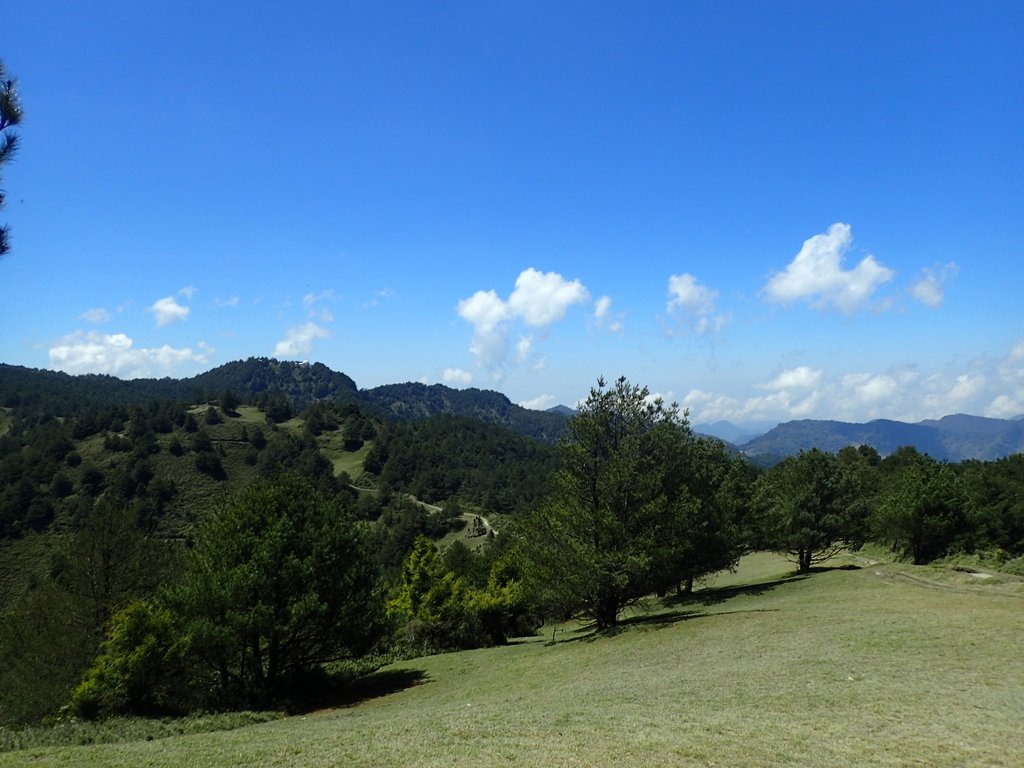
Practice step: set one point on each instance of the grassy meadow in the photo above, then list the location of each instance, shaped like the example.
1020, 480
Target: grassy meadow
879, 664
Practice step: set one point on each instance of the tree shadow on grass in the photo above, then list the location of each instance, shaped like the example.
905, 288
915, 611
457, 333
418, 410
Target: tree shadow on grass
653, 621
714, 595
336, 691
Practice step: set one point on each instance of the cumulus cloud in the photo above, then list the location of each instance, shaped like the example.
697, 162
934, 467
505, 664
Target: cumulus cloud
929, 288
167, 310
694, 302
1005, 407
117, 355
989, 386
487, 313
538, 300
542, 298
800, 377
97, 315
298, 341
604, 316
539, 403
456, 376
816, 274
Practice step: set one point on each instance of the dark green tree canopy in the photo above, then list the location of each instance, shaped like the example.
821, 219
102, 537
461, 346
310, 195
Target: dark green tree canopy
808, 507
632, 509
280, 580
10, 115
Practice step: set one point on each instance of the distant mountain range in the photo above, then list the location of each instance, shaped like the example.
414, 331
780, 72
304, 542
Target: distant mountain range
952, 438
732, 433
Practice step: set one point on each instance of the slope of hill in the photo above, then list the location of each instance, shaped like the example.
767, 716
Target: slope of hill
952, 438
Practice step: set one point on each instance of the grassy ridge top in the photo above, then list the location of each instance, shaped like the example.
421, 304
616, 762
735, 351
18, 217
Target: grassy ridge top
886, 665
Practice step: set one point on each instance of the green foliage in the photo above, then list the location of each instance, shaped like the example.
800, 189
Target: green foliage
923, 510
448, 456
279, 580
808, 508
10, 115
638, 505
439, 609
415, 402
140, 668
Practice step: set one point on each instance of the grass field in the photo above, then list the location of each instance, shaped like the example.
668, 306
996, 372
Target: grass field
887, 665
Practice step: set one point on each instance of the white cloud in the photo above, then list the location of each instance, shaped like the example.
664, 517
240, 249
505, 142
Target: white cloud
929, 288
800, 377
298, 342
487, 313
167, 310
312, 298
603, 316
540, 403
1005, 407
456, 376
117, 355
378, 296
523, 348
231, 302
984, 385
97, 315
816, 274
695, 302
542, 298
539, 299
188, 291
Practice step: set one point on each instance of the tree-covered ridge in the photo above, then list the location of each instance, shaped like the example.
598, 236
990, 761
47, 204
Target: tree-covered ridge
418, 401
465, 459
61, 394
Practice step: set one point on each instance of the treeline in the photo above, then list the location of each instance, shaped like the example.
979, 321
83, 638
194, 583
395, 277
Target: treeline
923, 509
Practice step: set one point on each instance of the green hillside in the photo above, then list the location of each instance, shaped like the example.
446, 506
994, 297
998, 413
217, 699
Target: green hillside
887, 665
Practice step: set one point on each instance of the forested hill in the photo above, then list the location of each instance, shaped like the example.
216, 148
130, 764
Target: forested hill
62, 394
302, 384
420, 401
951, 438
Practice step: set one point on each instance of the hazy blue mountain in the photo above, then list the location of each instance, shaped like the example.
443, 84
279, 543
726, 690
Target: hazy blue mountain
563, 410
951, 438
732, 433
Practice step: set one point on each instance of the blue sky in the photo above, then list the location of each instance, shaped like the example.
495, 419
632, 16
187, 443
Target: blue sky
764, 211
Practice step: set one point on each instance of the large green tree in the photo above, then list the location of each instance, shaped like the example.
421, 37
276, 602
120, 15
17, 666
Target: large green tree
923, 507
808, 508
280, 580
623, 512
10, 115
